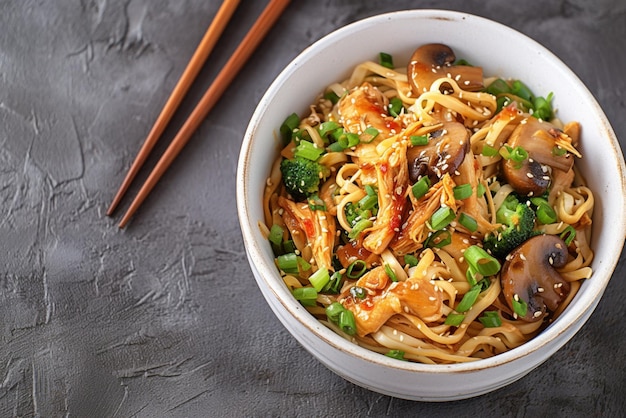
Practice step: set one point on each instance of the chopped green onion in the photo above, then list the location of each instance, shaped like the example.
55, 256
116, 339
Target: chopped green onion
288, 126
481, 261
468, 222
542, 107
420, 188
333, 284
489, 151
454, 319
332, 96
471, 276
327, 127
390, 273
568, 235
305, 295
498, 87
346, 322
462, 191
368, 202
308, 150
546, 214
386, 60
397, 354
411, 260
442, 218
521, 90
276, 234
480, 190
349, 140
335, 147
469, 299
319, 279
438, 239
358, 292
517, 154
370, 190
359, 227
304, 265
289, 246
395, 106
490, 319
316, 203
333, 310
417, 140
520, 307
356, 269
288, 263
369, 135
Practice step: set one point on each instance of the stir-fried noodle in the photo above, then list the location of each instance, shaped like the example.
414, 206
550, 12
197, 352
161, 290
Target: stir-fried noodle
448, 221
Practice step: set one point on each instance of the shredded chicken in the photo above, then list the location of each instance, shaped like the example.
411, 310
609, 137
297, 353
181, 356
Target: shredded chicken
318, 226
393, 176
414, 231
365, 107
416, 296
468, 173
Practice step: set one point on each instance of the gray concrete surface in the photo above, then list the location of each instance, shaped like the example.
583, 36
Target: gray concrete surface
164, 318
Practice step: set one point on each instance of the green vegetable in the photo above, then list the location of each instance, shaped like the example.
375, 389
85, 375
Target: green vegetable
319, 279
520, 307
454, 319
302, 176
356, 269
568, 235
442, 218
288, 126
395, 106
397, 354
308, 150
468, 222
438, 239
358, 292
305, 295
346, 322
420, 188
469, 299
386, 60
288, 263
518, 221
491, 319
417, 140
333, 310
462, 191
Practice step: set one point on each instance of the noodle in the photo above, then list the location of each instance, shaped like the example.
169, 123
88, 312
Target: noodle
414, 182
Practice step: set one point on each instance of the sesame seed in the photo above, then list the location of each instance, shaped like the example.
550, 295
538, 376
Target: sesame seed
537, 314
529, 175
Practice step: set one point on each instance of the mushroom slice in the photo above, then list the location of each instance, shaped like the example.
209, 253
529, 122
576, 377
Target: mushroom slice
431, 62
443, 154
539, 140
529, 275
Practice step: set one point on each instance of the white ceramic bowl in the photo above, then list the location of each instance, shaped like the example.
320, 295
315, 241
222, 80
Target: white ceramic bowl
500, 51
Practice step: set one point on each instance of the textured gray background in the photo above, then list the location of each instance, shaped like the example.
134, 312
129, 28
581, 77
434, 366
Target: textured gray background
164, 318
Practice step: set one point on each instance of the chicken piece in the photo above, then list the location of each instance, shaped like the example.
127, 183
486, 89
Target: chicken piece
365, 107
318, 226
384, 298
413, 231
392, 179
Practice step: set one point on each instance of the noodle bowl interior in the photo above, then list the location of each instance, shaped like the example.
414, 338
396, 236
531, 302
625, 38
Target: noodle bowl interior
430, 212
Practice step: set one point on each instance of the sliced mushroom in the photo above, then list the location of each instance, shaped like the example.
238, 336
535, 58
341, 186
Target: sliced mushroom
431, 62
443, 154
530, 275
537, 138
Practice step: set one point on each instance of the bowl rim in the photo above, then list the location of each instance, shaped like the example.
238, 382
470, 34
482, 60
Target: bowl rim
584, 304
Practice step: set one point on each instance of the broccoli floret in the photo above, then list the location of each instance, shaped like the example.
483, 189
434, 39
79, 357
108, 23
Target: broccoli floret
518, 221
302, 177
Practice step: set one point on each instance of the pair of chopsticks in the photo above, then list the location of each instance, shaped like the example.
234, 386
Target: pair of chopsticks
247, 46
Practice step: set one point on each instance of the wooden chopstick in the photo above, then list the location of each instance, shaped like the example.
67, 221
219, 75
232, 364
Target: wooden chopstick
252, 39
198, 59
